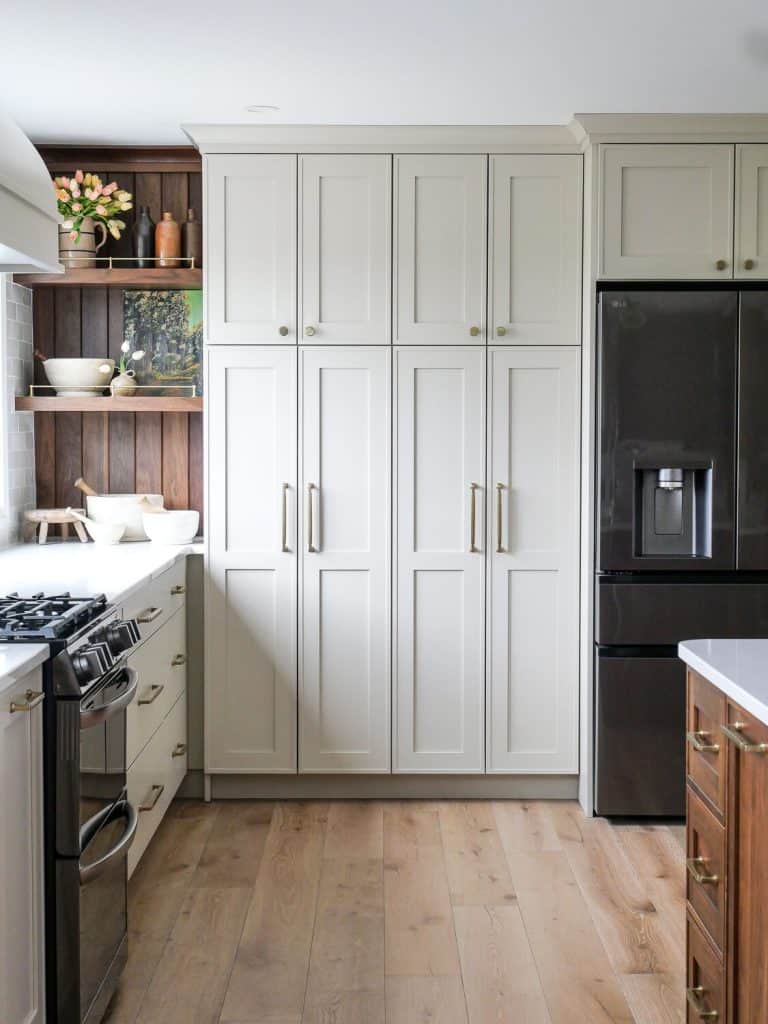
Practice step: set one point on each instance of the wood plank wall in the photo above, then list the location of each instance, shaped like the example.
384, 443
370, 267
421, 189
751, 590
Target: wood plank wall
118, 452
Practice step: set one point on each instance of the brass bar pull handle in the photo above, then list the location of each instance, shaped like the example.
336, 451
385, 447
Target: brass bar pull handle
149, 615
499, 547
696, 740
694, 997
34, 698
472, 517
178, 659
733, 733
178, 589
155, 690
310, 523
154, 795
694, 867
284, 527
179, 750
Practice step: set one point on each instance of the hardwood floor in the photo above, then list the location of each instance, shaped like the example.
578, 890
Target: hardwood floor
413, 912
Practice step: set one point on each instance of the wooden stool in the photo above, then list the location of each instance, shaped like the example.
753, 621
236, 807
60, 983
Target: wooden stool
45, 517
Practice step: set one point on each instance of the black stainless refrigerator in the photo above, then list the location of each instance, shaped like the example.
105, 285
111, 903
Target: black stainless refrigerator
682, 518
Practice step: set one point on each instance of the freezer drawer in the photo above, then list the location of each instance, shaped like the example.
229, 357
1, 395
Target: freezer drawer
639, 734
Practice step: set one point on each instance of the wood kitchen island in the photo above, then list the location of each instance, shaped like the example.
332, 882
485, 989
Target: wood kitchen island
727, 812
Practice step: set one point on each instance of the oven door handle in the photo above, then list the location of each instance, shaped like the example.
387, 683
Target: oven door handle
89, 872
96, 716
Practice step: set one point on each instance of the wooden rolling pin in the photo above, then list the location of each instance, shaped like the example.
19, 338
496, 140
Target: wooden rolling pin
81, 485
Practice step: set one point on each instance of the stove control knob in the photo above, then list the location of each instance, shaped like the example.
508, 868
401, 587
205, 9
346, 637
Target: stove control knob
91, 662
119, 636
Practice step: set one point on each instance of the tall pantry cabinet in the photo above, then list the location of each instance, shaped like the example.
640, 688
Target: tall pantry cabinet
393, 472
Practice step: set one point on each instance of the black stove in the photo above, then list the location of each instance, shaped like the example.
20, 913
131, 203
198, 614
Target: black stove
39, 619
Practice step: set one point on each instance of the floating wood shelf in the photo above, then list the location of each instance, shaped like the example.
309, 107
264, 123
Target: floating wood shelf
59, 403
128, 277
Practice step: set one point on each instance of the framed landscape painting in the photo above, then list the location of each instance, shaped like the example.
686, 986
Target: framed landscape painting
168, 327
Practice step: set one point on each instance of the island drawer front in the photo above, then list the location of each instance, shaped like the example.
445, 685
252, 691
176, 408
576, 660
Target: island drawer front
705, 978
706, 768
706, 868
156, 602
161, 665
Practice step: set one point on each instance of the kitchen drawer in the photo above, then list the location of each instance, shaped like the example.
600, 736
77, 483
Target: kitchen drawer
155, 775
705, 759
161, 665
156, 602
705, 978
706, 864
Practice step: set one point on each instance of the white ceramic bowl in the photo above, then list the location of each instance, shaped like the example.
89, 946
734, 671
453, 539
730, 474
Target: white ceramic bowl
122, 508
105, 533
177, 527
79, 377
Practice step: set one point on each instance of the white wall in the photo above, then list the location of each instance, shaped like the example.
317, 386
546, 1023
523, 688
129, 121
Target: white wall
18, 458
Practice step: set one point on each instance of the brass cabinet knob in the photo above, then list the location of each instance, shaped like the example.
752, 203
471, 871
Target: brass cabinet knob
309, 330
721, 264
749, 264
474, 331
501, 331
282, 331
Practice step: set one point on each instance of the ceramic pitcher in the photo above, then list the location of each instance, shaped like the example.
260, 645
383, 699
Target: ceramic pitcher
75, 254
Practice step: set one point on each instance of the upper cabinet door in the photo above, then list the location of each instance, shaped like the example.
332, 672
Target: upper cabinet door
535, 249
440, 249
345, 249
666, 212
250, 268
751, 259
344, 624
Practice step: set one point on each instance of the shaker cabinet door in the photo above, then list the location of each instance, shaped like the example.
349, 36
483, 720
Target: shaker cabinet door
345, 249
535, 249
440, 249
439, 560
533, 531
751, 258
250, 611
666, 212
344, 539
250, 267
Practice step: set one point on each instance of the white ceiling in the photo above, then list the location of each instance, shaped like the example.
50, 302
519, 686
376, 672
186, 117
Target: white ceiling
132, 72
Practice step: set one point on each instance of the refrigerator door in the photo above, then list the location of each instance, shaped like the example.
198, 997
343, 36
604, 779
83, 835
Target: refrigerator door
639, 734
752, 507
667, 421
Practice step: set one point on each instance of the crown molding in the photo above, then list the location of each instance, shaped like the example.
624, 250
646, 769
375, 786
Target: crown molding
589, 129
314, 138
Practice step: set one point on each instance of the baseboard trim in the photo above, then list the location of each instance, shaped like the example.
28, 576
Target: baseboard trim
382, 787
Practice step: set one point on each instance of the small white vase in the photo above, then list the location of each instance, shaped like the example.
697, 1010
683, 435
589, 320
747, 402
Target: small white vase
124, 384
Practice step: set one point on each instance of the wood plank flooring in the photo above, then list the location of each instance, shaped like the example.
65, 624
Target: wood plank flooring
412, 912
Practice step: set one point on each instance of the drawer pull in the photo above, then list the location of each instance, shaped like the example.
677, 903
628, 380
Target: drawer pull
697, 741
694, 866
34, 698
733, 733
693, 995
179, 750
154, 692
149, 615
154, 795
178, 589
179, 659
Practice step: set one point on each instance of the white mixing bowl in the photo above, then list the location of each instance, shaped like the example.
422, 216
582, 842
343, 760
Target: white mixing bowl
79, 377
175, 527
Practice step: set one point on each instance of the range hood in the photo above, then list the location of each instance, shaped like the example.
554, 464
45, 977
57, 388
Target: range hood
29, 217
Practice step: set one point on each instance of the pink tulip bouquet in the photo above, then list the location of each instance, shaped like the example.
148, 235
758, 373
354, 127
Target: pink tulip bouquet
84, 195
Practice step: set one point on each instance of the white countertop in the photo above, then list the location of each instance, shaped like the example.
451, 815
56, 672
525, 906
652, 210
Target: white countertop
737, 667
17, 660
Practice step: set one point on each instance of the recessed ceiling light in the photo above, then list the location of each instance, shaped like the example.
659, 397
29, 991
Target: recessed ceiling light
261, 108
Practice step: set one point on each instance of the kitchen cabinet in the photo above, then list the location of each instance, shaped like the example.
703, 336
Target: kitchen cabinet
533, 559
22, 980
727, 885
751, 244
250, 264
439, 551
251, 586
534, 249
344, 592
666, 211
345, 249
440, 249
